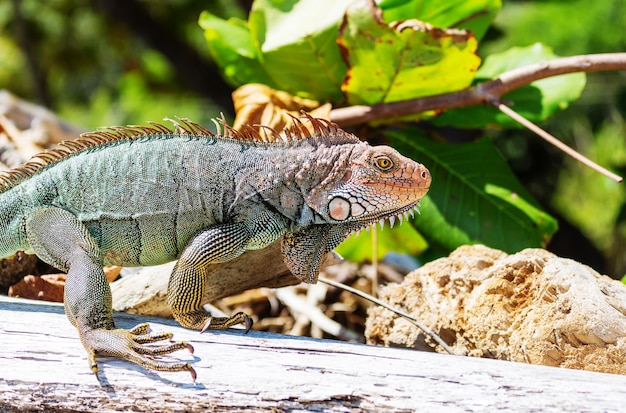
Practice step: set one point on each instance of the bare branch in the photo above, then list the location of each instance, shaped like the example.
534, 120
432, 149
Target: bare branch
483, 93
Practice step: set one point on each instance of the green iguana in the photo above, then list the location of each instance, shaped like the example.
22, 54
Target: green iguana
146, 195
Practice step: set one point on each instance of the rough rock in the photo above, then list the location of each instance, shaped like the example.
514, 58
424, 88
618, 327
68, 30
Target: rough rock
531, 307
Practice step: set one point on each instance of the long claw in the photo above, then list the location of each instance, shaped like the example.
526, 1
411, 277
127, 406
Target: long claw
207, 325
248, 322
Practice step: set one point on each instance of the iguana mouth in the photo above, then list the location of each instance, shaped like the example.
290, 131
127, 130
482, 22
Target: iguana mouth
399, 185
358, 208
405, 213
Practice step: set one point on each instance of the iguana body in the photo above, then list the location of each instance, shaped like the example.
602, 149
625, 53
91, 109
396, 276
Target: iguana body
148, 195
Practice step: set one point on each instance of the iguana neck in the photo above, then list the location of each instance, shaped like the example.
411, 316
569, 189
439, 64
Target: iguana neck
285, 179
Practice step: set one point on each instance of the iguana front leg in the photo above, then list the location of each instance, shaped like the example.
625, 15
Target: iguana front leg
217, 244
88, 295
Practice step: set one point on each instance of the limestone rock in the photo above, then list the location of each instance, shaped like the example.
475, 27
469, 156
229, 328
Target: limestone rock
531, 307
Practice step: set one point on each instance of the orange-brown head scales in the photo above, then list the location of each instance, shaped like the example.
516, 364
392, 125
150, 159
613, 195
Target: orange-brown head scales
379, 183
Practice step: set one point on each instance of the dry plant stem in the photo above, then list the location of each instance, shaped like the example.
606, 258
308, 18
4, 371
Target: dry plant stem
375, 261
482, 93
401, 313
315, 315
554, 141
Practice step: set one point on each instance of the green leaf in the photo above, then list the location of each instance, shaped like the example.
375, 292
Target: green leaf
473, 15
297, 45
288, 45
233, 49
536, 102
474, 197
403, 239
388, 64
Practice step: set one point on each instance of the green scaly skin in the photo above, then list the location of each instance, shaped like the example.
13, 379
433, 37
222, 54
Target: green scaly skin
141, 196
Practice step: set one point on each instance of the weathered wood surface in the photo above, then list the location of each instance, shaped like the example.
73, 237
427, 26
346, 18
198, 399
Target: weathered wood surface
43, 367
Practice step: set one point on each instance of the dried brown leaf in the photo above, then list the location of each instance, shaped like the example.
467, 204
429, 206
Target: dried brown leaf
257, 104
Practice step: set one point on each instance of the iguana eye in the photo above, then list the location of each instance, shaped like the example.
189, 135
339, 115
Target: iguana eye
384, 163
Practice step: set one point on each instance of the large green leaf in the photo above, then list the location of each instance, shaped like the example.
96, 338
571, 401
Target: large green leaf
474, 197
288, 45
473, 15
388, 64
233, 49
536, 102
297, 43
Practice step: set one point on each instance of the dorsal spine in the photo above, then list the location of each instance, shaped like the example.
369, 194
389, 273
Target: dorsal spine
325, 131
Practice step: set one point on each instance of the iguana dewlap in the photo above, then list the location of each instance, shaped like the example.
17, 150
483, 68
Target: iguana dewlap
138, 196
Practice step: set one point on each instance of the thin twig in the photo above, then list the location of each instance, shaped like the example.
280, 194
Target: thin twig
554, 141
401, 313
375, 261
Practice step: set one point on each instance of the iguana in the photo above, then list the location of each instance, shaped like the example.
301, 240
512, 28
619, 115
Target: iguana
146, 195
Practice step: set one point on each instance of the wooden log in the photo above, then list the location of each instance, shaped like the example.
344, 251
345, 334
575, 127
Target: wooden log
43, 367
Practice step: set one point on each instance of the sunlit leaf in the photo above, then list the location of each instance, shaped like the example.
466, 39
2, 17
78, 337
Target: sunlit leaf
536, 102
473, 15
232, 47
403, 239
297, 44
474, 197
403, 61
288, 45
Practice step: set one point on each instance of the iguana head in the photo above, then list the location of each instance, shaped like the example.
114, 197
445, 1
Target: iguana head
365, 185
377, 184
347, 185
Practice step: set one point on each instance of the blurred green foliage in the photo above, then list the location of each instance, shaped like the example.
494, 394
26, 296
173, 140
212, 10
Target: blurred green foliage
97, 70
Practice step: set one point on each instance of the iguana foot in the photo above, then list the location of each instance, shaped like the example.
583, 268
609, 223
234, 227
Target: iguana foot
132, 345
200, 320
222, 323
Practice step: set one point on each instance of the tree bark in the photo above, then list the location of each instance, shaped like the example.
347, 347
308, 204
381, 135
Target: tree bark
43, 366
